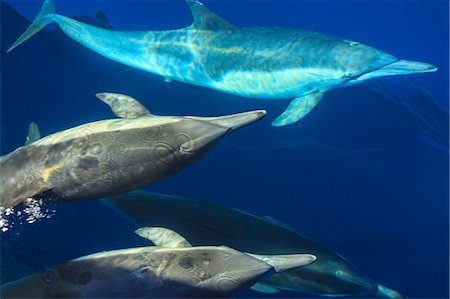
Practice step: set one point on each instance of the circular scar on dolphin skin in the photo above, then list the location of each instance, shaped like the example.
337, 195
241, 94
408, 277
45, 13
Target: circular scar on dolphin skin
185, 142
225, 282
85, 277
186, 262
96, 148
152, 134
49, 276
203, 274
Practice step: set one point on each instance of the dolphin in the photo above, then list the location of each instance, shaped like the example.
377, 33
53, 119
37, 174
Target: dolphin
110, 156
265, 63
171, 269
205, 223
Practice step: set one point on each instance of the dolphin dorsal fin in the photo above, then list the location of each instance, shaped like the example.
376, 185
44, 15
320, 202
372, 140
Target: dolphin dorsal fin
33, 133
123, 106
206, 19
162, 237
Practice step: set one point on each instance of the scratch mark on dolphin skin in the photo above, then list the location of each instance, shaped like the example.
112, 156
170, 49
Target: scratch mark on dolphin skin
49, 171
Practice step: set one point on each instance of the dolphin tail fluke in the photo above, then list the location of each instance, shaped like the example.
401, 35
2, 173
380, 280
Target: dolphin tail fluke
297, 109
38, 24
385, 292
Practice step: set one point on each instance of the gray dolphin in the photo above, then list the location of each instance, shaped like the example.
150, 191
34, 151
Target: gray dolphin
266, 63
172, 269
110, 156
205, 223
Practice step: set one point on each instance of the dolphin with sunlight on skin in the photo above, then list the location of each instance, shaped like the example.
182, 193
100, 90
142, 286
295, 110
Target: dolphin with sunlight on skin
258, 62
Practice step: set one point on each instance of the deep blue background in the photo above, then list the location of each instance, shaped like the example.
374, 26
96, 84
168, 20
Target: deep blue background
356, 175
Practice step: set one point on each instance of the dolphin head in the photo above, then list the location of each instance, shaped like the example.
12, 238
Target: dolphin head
194, 136
330, 275
350, 280
355, 59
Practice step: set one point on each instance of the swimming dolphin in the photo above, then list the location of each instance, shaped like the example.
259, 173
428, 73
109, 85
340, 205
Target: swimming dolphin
162, 271
205, 223
110, 156
266, 62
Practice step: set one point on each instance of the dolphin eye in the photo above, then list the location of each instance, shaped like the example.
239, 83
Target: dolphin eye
49, 276
85, 277
185, 143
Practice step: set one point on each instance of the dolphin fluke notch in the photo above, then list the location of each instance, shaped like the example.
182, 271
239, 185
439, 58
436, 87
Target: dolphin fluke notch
38, 24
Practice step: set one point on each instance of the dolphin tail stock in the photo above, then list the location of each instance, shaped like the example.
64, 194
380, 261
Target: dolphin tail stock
298, 108
41, 20
385, 292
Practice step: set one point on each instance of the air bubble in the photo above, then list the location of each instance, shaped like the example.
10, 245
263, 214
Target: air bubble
31, 212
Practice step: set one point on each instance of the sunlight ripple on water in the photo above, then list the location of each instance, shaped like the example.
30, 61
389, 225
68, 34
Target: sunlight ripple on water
30, 213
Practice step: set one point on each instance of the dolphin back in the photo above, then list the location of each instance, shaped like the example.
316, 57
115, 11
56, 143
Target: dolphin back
206, 223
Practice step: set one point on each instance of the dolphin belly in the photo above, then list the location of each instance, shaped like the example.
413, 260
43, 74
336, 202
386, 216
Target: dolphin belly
278, 84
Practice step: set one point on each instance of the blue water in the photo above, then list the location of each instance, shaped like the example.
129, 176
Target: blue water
365, 174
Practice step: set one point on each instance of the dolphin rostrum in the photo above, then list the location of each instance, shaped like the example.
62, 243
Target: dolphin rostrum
155, 272
266, 62
206, 223
110, 156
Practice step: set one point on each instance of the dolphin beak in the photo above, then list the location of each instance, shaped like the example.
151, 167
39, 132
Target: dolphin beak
234, 121
285, 262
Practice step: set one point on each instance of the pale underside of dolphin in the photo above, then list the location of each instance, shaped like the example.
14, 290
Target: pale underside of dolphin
265, 62
110, 156
171, 269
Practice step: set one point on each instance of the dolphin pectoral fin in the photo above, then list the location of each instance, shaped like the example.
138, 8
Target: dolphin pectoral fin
400, 67
123, 106
206, 19
264, 288
162, 237
297, 109
38, 24
33, 133
284, 262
